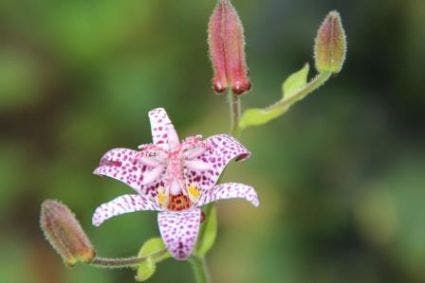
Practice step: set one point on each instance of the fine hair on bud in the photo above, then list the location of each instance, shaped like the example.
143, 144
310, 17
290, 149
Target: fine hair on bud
330, 44
63, 231
226, 42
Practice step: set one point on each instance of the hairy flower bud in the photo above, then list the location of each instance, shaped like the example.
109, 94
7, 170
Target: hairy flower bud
64, 233
227, 49
330, 44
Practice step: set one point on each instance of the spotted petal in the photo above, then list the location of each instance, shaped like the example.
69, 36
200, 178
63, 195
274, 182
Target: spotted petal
221, 149
163, 132
227, 191
120, 205
179, 231
124, 165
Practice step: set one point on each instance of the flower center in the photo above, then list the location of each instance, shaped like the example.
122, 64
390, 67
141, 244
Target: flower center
177, 202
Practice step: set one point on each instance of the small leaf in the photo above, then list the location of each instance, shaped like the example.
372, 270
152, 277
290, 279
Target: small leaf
145, 270
208, 232
150, 249
153, 246
292, 86
294, 89
295, 82
258, 116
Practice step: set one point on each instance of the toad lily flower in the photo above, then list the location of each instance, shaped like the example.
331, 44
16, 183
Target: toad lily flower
175, 178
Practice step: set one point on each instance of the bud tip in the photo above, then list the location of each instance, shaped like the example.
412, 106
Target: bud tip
330, 44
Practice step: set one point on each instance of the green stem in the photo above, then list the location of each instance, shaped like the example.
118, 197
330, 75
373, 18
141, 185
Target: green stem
200, 269
127, 262
314, 84
198, 262
277, 109
235, 111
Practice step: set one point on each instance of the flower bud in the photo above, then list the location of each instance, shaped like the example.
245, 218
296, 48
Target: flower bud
227, 49
330, 44
64, 233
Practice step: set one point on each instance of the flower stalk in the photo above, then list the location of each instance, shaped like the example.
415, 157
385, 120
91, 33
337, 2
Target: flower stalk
127, 262
200, 269
235, 112
314, 84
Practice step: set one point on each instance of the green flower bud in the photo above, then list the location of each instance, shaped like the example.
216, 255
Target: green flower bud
64, 233
330, 44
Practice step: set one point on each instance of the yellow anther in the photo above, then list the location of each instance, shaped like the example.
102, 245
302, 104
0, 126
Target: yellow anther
193, 192
162, 197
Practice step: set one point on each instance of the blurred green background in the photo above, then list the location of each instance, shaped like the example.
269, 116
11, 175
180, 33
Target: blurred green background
341, 177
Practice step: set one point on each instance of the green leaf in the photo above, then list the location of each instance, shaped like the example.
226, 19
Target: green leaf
145, 270
208, 231
153, 246
258, 116
294, 89
295, 82
150, 249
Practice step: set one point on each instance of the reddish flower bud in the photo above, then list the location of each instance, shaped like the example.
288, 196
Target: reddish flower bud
64, 233
330, 44
227, 49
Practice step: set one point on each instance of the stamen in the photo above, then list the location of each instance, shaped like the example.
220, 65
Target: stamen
194, 148
152, 155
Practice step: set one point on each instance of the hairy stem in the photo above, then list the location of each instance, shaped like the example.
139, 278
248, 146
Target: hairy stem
265, 115
200, 269
127, 262
235, 111
314, 84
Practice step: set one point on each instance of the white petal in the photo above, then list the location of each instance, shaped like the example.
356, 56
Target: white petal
173, 138
120, 205
221, 149
124, 165
227, 191
163, 132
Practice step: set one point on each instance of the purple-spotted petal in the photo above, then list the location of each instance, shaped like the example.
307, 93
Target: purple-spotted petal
163, 132
124, 165
227, 191
220, 150
120, 205
179, 231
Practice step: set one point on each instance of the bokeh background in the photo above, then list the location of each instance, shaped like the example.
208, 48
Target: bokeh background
341, 177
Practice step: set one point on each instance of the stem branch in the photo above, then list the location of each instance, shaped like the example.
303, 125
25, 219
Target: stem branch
127, 262
235, 111
261, 116
314, 84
